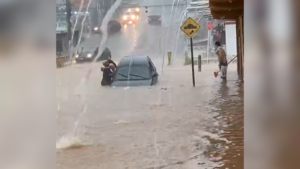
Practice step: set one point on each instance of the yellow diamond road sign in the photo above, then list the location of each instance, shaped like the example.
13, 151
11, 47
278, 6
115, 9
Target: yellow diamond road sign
190, 27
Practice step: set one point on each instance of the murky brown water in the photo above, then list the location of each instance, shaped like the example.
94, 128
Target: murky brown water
167, 126
230, 108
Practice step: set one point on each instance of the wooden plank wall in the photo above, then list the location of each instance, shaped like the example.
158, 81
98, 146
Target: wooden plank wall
240, 46
241, 18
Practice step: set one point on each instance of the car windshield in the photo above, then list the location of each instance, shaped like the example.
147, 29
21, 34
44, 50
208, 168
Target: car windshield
133, 73
87, 52
154, 16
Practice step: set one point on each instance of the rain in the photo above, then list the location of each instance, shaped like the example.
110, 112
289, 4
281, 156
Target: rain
164, 126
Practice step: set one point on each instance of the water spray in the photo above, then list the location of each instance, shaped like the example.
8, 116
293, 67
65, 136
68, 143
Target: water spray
177, 32
169, 24
81, 30
85, 79
77, 17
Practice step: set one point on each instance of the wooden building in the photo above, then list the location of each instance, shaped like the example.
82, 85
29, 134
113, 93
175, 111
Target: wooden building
232, 10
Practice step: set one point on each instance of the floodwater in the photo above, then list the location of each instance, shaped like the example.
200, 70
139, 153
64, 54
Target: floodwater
170, 125
230, 121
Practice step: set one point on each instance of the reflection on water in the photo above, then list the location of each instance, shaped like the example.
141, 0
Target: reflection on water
230, 109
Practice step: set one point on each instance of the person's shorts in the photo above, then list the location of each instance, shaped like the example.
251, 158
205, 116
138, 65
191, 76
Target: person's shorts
223, 71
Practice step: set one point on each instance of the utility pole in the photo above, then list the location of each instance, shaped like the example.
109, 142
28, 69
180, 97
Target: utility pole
69, 25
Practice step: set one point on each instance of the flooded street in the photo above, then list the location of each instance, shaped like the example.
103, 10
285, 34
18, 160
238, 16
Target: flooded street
170, 125
158, 126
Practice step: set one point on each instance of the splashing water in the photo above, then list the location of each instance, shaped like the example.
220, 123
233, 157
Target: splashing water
73, 141
156, 148
166, 39
73, 29
77, 17
174, 50
104, 24
81, 30
175, 38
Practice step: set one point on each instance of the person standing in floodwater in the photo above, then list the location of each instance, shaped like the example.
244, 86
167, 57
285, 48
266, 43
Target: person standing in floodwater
108, 72
222, 58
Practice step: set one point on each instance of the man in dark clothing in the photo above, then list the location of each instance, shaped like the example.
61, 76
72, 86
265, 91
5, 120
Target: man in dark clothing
107, 77
112, 62
108, 73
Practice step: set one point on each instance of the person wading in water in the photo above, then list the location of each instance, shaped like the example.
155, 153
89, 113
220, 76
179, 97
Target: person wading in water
108, 72
222, 58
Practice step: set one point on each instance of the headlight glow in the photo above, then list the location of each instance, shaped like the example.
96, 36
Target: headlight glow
129, 10
137, 9
124, 17
89, 55
96, 28
76, 56
132, 17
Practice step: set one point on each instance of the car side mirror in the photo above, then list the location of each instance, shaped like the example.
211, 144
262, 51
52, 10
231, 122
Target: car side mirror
155, 74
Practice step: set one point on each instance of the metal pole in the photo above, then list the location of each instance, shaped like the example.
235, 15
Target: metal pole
68, 18
192, 57
199, 63
207, 46
169, 58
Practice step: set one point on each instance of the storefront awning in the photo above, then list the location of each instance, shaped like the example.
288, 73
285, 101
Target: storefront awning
226, 9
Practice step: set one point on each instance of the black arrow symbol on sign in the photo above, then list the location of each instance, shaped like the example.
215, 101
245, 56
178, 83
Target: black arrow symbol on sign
192, 32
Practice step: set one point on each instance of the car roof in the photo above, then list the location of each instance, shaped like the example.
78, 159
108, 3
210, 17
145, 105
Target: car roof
88, 49
135, 60
154, 16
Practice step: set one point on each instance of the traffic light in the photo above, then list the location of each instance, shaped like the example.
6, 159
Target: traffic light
146, 9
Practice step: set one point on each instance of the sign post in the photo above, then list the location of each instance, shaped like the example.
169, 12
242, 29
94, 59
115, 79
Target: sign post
190, 27
209, 26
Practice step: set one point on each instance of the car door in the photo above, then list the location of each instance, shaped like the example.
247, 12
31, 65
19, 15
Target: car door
153, 72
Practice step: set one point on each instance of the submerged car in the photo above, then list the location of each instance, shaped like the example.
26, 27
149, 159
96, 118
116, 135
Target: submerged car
135, 71
154, 19
129, 18
89, 55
